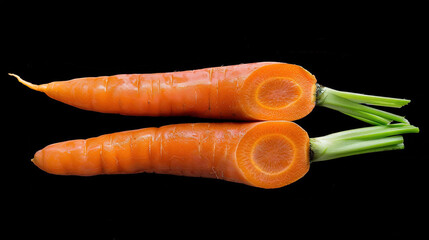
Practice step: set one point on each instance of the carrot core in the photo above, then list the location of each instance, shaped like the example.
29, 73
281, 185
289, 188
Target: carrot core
277, 93
272, 153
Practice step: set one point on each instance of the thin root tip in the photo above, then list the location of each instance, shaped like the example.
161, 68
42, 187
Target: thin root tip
28, 84
13, 75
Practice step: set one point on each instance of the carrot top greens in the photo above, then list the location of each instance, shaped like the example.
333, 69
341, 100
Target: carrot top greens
352, 104
359, 141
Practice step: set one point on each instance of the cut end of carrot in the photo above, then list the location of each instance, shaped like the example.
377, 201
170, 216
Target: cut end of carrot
39, 88
278, 91
274, 154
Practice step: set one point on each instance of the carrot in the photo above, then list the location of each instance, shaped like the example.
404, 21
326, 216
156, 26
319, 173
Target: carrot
255, 91
267, 154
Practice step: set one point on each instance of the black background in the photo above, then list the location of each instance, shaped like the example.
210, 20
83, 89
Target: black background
378, 51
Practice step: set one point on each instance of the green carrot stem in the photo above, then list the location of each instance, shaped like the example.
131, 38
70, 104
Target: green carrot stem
359, 141
352, 105
364, 119
371, 99
373, 132
399, 146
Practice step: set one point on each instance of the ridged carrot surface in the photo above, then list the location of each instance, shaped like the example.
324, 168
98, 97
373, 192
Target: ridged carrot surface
255, 91
263, 154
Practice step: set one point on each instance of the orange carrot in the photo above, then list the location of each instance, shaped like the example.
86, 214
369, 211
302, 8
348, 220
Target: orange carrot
222, 92
255, 91
268, 154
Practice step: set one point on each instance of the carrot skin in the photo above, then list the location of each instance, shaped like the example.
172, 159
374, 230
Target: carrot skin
228, 151
229, 92
149, 149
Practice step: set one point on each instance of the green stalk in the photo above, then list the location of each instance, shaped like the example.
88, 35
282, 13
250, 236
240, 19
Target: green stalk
352, 104
359, 141
373, 100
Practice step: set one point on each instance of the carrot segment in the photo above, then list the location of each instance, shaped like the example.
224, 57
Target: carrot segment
220, 92
269, 154
254, 91
265, 154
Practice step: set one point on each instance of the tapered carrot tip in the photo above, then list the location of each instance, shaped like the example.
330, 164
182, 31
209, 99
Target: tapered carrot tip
38, 159
39, 88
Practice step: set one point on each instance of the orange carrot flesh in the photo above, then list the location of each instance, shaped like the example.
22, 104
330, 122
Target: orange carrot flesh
255, 91
264, 154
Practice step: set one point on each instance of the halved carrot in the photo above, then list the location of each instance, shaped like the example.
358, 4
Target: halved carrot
268, 154
255, 91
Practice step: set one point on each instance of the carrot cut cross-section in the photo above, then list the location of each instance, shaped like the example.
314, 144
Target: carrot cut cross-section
274, 154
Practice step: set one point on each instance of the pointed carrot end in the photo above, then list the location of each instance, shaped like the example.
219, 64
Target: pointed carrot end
28, 84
